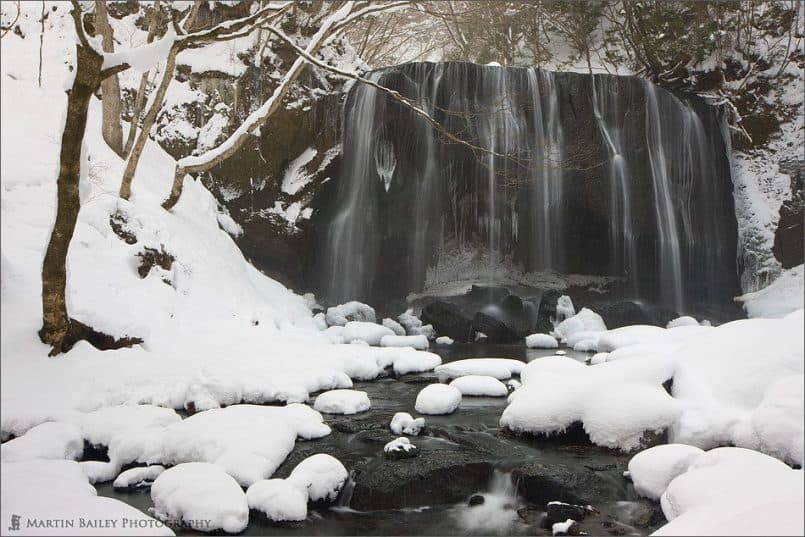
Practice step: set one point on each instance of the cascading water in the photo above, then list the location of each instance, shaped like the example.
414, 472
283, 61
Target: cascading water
599, 175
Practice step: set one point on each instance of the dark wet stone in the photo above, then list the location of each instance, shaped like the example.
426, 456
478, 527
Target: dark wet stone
531, 515
448, 320
559, 512
438, 477
476, 499
375, 436
400, 454
542, 483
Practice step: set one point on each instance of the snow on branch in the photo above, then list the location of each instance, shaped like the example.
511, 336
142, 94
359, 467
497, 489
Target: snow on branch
258, 117
141, 58
226, 29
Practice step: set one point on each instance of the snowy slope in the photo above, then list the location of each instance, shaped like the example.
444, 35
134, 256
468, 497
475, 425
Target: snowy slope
216, 330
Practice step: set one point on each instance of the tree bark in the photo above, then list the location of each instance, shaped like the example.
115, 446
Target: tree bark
110, 87
139, 101
56, 327
148, 122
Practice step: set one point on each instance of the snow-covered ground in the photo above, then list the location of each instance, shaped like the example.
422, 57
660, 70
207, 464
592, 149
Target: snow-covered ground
218, 333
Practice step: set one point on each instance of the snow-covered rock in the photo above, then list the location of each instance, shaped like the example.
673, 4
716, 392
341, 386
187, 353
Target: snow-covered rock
444, 340
140, 476
335, 334
248, 441
400, 448
437, 399
201, 495
320, 320
500, 368
684, 320
426, 330
541, 341
351, 311
321, 476
51, 440
564, 308
396, 327
404, 423
342, 402
419, 342
409, 321
617, 402
584, 320
409, 361
480, 385
279, 499
653, 470
371, 333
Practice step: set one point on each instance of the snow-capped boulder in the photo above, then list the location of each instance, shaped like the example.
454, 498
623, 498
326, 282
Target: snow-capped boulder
584, 320
321, 476
653, 470
564, 308
419, 342
437, 399
425, 330
500, 368
541, 341
404, 423
201, 495
444, 340
684, 320
395, 327
409, 321
141, 476
400, 448
279, 499
371, 333
479, 385
351, 311
342, 402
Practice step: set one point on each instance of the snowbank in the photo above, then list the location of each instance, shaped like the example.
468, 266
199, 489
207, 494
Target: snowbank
52, 440
58, 490
404, 423
342, 402
479, 385
437, 399
500, 368
541, 341
201, 495
419, 342
783, 296
725, 491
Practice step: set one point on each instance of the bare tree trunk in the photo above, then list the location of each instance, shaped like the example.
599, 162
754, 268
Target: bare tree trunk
148, 122
56, 327
41, 42
139, 101
110, 87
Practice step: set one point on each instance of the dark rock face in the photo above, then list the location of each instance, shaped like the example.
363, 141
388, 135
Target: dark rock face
496, 330
788, 239
626, 313
447, 320
476, 499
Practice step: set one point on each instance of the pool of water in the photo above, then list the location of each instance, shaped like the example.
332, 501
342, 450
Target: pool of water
357, 442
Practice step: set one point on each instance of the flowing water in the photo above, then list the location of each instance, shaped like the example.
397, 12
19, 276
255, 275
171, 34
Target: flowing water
599, 175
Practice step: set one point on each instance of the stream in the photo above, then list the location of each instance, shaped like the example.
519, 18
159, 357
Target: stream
460, 455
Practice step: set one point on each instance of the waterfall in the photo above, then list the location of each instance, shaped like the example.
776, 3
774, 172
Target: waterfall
610, 117
593, 175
